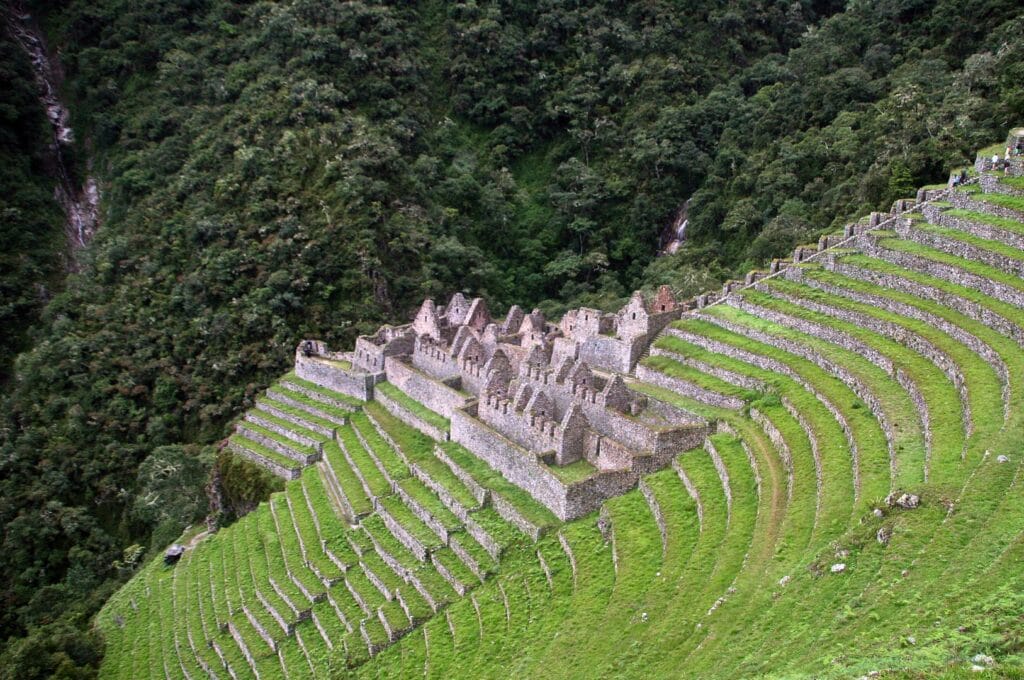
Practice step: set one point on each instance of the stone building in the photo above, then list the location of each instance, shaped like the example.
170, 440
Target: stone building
548, 405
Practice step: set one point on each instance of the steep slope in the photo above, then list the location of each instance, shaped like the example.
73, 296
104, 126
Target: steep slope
861, 510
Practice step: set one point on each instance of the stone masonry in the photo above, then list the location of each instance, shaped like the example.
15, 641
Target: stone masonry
548, 405
551, 405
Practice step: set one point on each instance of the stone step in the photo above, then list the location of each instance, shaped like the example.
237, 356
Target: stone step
803, 352
965, 245
282, 466
847, 341
919, 313
955, 297
983, 225
983, 279
976, 200
254, 430
300, 401
302, 419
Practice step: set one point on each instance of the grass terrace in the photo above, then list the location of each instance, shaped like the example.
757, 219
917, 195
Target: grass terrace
771, 551
432, 418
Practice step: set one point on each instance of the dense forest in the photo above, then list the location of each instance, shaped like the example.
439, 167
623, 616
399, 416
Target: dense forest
272, 171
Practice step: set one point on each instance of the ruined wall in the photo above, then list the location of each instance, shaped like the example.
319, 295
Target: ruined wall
534, 433
432, 393
521, 468
434, 360
354, 384
609, 353
515, 464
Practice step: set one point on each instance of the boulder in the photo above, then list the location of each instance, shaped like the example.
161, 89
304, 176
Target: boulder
1002, 459
983, 660
883, 535
907, 501
838, 568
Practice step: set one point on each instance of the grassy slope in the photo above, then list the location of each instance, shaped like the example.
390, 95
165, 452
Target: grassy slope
738, 578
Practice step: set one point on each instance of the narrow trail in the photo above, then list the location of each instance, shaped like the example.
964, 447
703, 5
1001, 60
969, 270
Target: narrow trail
80, 202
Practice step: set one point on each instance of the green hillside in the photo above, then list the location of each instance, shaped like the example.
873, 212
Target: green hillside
861, 514
277, 170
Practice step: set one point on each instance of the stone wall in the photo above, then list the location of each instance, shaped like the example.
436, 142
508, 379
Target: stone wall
990, 184
963, 249
516, 464
940, 270
964, 201
423, 388
641, 437
521, 468
943, 218
354, 384
688, 389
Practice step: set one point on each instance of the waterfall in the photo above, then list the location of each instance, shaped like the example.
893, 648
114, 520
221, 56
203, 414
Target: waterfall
80, 203
674, 234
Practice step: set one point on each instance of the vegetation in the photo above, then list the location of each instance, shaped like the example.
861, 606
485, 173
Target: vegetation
31, 238
272, 172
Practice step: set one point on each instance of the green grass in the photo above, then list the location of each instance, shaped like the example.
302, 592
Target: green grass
1002, 200
747, 592
989, 220
290, 377
947, 426
432, 418
573, 472
1013, 182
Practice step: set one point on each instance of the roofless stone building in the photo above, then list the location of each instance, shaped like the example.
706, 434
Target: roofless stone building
548, 405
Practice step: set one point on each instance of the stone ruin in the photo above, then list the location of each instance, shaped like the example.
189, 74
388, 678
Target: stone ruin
548, 405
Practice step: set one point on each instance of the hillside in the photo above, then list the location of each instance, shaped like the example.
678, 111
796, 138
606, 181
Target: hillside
855, 507
273, 171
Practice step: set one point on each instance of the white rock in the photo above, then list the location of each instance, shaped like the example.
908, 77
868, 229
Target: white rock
911, 640
983, 659
784, 580
643, 616
1002, 459
877, 512
838, 568
978, 669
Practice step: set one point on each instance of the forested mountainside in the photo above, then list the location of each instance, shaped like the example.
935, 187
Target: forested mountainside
313, 168
30, 233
